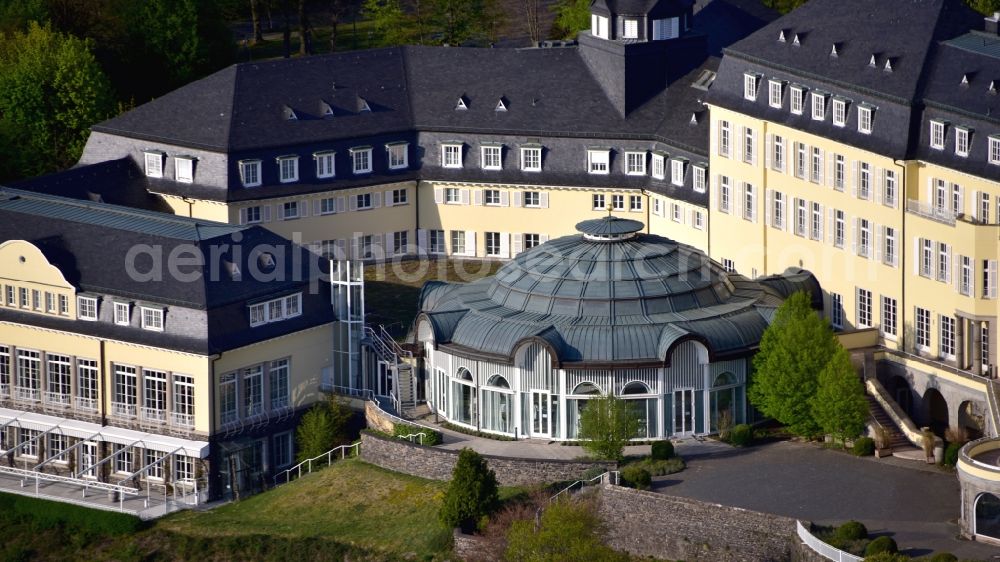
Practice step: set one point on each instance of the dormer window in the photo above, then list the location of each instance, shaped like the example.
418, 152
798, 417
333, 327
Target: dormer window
363, 105
86, 308
325, 164
451, 155
122, 313
635, 163
491, 157
865, 119
797, 100
461, 105
531, 159
994, 150
818, 106
839, 112
658, 170
288, 169
501, 106
961, 141
184, 169
937, 135
250, 173
398, 155
666, 29
774, 93
598, 161
599, 26
677, 169
361, 158
152, 319
154, 164
630, 29
699, 178
750, 83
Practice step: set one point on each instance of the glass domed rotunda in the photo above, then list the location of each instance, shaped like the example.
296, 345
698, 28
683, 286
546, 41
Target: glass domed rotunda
608, 310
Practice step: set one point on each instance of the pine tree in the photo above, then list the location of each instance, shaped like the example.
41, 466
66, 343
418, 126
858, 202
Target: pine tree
795, 348
839, 406
472, 493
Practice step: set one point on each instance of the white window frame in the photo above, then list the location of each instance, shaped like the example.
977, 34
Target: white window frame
184, 169
993, 152
865, 115
285, 215
326, 164
598, 161
962, 145
492, 244
937, 135
491, 157
864, 310
889, 317
775, 91
839, 112
152, 318
635, 203
598, 197
122, 310
630, 28
531, 158
451, 155
290, 173
532, 199
153, 161
751, 82
82, 304
361, 160
398, 155
700, 179
797, 100
250, 173
818, 109
677, 171
922, 329
658, 166
635, 163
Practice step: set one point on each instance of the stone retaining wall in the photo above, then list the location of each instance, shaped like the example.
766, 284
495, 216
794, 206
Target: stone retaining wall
437, 464
674, 528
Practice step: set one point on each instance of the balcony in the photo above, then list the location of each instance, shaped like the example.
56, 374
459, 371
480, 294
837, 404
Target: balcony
930, 212
182, 420
229, 418
153, 415
26, 394
277, 403
121, 410
86, 404
57, 399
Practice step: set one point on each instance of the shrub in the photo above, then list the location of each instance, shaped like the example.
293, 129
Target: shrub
431, 437
741, 435
887, 557
852, 531
658, 467
593, 472
662, 450
637, 476
48, 514
472, 493
864, 447
956, 435
606, 426
880, 545
943, 557
568, 531
951, 454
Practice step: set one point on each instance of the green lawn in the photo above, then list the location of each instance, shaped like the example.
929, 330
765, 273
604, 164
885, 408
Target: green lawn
392, 289
351, 502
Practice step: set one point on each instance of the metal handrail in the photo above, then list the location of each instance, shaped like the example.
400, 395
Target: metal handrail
308, 462
411, 436
368, 394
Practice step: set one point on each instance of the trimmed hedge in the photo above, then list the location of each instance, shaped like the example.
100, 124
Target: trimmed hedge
741, 435
47, 514
852, 531
881, 544
431, 437
637, 476
661, 450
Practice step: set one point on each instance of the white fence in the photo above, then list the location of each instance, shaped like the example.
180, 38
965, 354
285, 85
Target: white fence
823, 549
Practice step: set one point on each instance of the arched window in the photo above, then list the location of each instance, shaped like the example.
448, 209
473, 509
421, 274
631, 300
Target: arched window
635, 387
464, 374
988, 516
725, 379
498, 381
586, 388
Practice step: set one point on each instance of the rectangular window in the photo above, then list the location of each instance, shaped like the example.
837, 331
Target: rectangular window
839, 112
29, 375
492, 240
86, 380
888, 325
865, 120
778, 210
451, 155
729, 265
325, 164
283, 449
923, 329
122, 313
926, 257
532, 198
994, 150
675, 212
183, 468
183, 414
947, 337
801, 160
677, 172
152, 319
398, 155
699, 220
750, 86
123, 458
659, 169
817, 165
864, 180
836, 310
889, 197
699, 180
288, 169
801, 212
11, 297
327, 206
725, 142
125, 396
965, 283
253, 391
253, 215
816, 232
531, 159
290, 210
491, 197
36, 300
839, 172
598, 202
154, 389
890, 250
184, 170
361, 158
228, 409
749, 150
154, 164
989, 279
618, 202
961, 141
630, 29
63, 305
818, 106
864, 308
452, 196
458, 242
944, 263
598, 161
435, 239
635, 163
749, 203
774, 92
490, 157
363, 201
838, 228
150, 459
86, 308
778, 156
725, 194
796, 102
531, 240
59, 377
864, 238
25, 301
937, 135
250, 173
57, 445
400, 242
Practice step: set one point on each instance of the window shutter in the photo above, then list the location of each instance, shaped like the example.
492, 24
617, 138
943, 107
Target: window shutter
505, 198
388, 198
753, 154
975, 205
992, 290
879, 237
304, 208
280, 209
829, 226
854, 178
354, 202
356, 245
389, 246
265, 211
317, 207
879, 187
421, 241
470, 243
543, 199
517, 198
377, 199
769, 215
854, 236
243, 216
961, 200
822, 167
504, 245
464, 196
831, 163
769, 151
948, 264
738, 203
478, 197
956, 272
689, 217
930, 192
518, 243
716, 191
821, 225
340, 249
438, 195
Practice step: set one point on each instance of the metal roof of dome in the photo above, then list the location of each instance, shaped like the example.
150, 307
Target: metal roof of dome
608, 299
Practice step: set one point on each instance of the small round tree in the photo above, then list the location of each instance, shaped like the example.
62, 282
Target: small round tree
839, 405
472, 493
606, 425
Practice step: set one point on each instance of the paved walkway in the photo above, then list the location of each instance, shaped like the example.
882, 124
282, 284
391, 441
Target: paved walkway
145, 507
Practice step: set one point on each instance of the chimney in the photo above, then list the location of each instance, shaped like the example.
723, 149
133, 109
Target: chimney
991, 23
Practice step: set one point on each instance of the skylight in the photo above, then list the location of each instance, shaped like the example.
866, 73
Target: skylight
461, 103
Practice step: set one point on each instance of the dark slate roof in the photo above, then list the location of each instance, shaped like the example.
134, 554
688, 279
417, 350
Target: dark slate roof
609, 226
118, 182
725, 22
91, 244
596, 301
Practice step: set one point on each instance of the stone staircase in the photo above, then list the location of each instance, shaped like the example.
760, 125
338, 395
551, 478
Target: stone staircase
896, 438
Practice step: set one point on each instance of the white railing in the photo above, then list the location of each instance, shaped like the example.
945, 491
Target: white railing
330, 456
411, 436
89, 404
930, 211
57, 398
229, 418
26, 394
823, 549
367, 394
182, 420
153, 414
611, 477
279, 402
121, 410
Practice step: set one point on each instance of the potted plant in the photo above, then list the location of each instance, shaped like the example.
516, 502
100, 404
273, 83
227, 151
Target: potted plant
883, 441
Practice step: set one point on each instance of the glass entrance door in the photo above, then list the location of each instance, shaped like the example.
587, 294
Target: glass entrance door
88, 458
540, 417
384, 381
684, 412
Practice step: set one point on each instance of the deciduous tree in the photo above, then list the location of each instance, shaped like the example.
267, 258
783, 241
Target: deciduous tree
568, 531
794, 349
606, 425
389, 20
572, 16
839, 405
